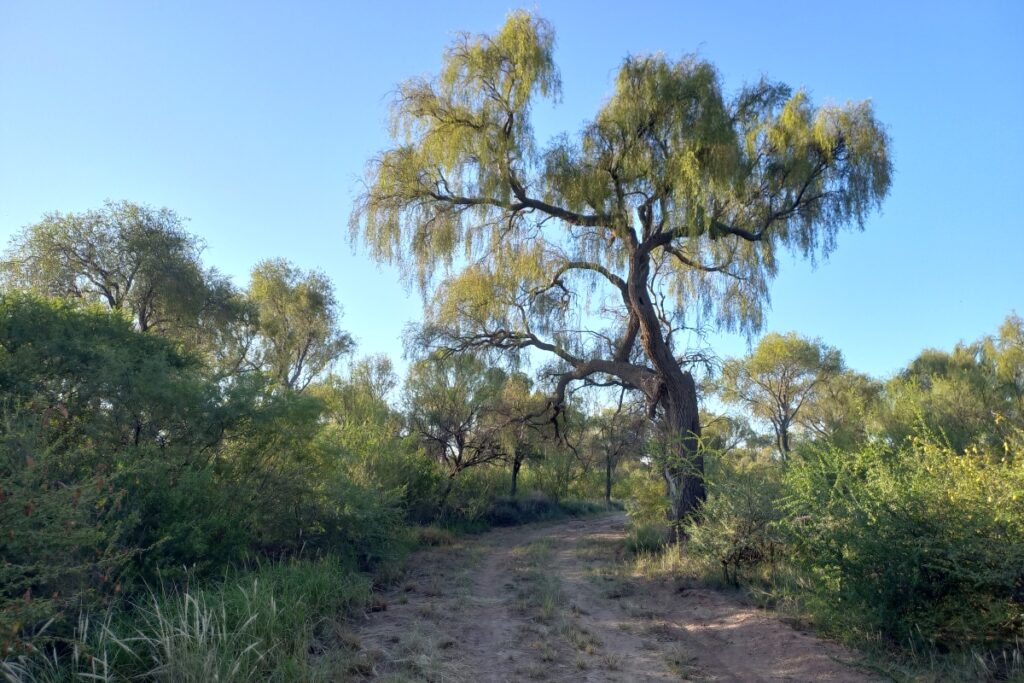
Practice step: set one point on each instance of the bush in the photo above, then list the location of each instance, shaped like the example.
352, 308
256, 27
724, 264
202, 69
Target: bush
737, 525
530, 508
472, 495
123, 462
643, 493
59, 548
537, 507
404, 470
913, 544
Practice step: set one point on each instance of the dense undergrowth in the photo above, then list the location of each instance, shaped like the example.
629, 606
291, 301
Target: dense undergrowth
891, 518
163, 523
913, 553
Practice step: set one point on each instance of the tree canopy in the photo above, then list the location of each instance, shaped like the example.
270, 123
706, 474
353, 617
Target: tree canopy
127, 256
668, 210
781, 375
298, 322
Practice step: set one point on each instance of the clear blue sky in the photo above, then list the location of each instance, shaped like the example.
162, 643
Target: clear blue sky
255, 120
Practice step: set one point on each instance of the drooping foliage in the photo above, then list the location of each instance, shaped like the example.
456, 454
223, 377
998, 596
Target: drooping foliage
667, 210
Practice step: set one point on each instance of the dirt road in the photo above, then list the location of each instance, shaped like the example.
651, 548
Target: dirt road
557, 602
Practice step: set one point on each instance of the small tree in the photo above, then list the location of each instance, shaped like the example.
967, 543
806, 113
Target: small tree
452, 404
839, 410
520, 439
616, 433
298, 322
781, 375
670, 207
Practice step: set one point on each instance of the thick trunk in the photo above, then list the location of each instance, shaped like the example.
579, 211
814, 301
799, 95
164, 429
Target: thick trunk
683, 466
684, 461
782, 439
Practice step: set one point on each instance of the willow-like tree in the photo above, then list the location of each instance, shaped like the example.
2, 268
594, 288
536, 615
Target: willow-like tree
668, 210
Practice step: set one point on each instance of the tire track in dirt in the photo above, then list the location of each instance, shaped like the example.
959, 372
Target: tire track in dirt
555, 602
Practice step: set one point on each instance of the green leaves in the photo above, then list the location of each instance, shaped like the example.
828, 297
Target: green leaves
126, 256
703, 188
782, 376
917, 544
298, 323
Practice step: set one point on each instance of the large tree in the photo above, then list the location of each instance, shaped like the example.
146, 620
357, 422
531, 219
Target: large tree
668, 210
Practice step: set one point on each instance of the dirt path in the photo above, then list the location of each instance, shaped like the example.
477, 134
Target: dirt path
557, 603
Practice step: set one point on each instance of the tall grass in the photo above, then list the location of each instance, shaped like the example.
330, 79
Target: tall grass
275, 623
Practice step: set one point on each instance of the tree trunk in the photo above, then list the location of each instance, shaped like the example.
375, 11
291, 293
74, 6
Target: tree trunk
782, 439
608, 479
684, 461
516, 464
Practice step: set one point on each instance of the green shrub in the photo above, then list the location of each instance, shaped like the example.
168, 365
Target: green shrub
537, 507
122, 462
59, 549
433, 535
737, 525
522, 510
404, 470
913, 544
473, 493
643, 493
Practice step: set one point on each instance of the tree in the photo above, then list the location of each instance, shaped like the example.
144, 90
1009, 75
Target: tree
781, 375
1005, 354
126, 256
298, 322
452, 404
970, 396
839, 410
106, 382
520, 439
618, 432
668, 209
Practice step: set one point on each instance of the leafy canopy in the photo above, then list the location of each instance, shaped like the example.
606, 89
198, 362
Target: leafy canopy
127, 256
782, 375
673, 184
298, 322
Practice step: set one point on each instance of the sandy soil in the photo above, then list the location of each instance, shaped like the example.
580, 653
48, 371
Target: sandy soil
557, 602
